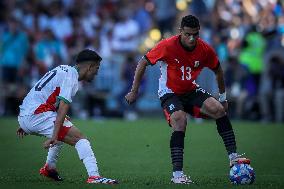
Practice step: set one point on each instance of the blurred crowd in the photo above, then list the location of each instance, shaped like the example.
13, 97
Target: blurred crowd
38, 35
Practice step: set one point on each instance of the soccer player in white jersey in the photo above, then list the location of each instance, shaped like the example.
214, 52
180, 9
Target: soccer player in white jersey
43, 112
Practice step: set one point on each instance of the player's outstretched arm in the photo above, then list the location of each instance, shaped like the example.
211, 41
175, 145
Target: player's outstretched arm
139, 72
61, 114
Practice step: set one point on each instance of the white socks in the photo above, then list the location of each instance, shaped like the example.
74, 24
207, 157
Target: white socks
232, 156
177, 174
86, 154
53, 154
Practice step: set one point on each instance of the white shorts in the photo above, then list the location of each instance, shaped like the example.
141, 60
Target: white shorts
43, 124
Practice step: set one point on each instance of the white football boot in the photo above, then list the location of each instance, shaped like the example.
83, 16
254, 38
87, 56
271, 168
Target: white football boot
182, 179
101, 180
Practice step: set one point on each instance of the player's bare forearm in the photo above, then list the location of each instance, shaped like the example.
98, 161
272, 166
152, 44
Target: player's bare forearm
220, 79
61, 114
139, 72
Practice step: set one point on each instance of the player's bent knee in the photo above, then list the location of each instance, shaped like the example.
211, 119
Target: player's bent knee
221, 112
73, 136
178, 116
218, 112
73, 140
210, 108
77, 138
213, 108
179, 120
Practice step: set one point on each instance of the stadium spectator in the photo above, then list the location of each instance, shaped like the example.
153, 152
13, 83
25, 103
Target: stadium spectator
276, 72
127, 74
165, 15
59, 22
273, 52
236, 75
13, 51
43, 112
141, 16
81, 24
125, 41
49, 51
251, 56
182, 57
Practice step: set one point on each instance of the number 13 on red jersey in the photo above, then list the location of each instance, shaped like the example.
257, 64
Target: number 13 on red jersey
186, 73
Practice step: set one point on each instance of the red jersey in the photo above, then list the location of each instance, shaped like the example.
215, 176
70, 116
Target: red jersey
179, 67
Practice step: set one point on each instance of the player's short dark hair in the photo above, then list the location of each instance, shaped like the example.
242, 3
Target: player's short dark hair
87, 55
190, 21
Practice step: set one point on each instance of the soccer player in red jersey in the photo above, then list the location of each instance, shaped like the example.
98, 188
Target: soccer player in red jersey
43, 112
181, 58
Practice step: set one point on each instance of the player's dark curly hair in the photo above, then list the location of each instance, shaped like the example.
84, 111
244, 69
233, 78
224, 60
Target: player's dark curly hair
87, 55
190, 21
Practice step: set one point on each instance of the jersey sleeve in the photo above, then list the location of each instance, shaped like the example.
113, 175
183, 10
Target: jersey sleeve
212, 61
68, 88
157, 53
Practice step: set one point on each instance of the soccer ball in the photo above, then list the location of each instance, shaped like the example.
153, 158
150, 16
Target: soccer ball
242, 174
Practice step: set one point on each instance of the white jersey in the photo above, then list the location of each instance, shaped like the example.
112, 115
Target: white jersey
61, 83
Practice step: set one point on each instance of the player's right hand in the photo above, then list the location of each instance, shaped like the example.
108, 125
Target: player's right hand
131, 97
50, 143
21, 133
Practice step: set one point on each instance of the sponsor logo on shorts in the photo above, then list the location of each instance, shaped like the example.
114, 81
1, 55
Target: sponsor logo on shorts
172, 107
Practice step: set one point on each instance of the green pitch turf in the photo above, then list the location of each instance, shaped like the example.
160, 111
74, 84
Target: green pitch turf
137, 154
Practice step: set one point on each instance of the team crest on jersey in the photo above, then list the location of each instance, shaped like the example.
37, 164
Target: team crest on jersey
196, 63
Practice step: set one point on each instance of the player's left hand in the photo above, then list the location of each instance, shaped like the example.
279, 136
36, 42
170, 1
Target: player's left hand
225, 105
21, 133
131, 97
50, 143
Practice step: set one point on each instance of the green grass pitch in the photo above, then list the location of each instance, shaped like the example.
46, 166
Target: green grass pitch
137, 154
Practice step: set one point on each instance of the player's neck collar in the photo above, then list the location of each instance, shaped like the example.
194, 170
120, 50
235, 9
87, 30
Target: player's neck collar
76, 68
